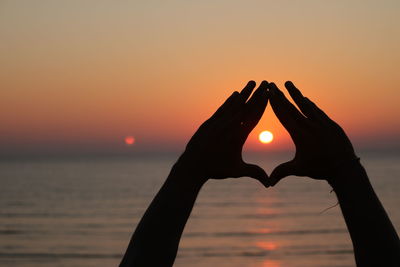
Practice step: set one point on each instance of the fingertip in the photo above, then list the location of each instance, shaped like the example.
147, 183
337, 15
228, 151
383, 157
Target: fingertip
230, 98
264, 182
271, 86
289, 84
274, 182
264, 87
251, 83
282, 171
236, 93
260, 93
264, 84
247, 90
256, 172
274, 89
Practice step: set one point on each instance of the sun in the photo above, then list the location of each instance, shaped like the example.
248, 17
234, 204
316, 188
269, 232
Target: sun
266, 137
129, 140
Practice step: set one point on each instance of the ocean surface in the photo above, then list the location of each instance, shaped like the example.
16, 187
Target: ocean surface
82, 211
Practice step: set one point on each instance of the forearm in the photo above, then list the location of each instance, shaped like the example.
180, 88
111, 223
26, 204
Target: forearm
156, 238
374, 238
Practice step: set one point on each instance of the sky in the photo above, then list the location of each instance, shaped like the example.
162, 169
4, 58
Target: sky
80, 76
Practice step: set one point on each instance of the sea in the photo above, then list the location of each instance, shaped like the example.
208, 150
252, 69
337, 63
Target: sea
82, 211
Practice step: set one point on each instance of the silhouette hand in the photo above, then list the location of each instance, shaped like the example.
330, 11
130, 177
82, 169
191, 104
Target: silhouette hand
321, 145
215, 150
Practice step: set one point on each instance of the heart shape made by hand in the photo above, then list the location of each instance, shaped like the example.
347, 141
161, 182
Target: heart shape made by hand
321, 144
215, 150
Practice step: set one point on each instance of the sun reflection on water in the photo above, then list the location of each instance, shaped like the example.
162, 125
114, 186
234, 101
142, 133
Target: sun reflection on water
271, 263
267, 245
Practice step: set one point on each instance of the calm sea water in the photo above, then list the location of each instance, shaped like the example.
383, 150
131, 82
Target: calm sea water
82, 212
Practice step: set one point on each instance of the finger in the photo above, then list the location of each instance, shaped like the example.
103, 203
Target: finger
246, 91
232, 123
232, 116
256, 172
226, 105
259, 93
300, 100
282, 171
318, 112
254, 108
285, 111
238, 102
217, 119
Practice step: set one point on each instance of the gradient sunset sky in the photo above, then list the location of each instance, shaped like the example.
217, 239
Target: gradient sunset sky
80, 76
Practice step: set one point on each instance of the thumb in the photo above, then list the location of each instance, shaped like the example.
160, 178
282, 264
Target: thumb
283, 170
256, 172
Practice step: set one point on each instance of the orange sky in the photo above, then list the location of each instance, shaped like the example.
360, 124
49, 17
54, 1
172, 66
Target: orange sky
85, 74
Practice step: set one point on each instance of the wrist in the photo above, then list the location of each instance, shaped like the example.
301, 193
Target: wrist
349, 174
186, 174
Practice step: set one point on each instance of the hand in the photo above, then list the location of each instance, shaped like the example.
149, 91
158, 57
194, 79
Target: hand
322, 146
215, 150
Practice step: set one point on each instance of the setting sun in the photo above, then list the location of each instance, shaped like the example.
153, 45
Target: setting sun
129, 140
266, 137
